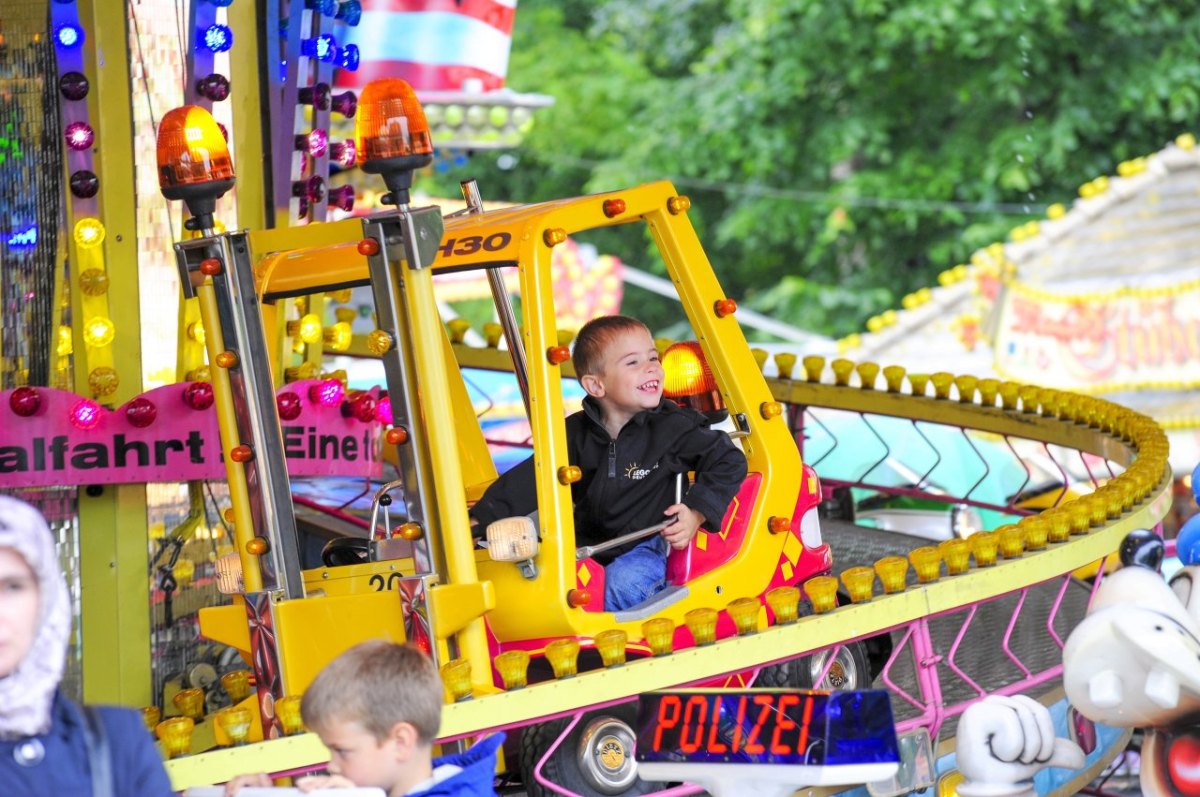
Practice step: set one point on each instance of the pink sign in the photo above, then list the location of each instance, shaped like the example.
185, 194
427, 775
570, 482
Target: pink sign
51, 437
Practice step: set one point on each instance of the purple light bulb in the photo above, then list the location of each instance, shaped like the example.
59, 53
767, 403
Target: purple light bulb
346, 104
343, 153
73, 85
213, 87
317, 95
342, 197
79, 136
84, 184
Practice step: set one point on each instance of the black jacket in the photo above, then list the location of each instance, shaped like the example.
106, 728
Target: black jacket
628, 482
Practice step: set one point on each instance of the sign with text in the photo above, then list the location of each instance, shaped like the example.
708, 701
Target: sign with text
52, 437
1101, 342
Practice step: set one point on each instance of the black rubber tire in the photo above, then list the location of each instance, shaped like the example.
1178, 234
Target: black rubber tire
851, 670
562, 768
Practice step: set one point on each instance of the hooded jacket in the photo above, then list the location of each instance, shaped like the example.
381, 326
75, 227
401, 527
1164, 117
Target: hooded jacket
628, 481
42, 739
477, 776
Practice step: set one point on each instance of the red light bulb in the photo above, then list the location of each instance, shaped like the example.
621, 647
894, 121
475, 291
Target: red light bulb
289, 406
362, 406
198, 395
141, 412
25, 401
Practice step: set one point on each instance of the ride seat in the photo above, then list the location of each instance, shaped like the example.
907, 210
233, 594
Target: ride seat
709, 550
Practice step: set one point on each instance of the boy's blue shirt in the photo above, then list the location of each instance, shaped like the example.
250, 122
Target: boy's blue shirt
478, 775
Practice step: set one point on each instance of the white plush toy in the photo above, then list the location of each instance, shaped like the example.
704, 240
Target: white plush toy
1002, 742
1134, 660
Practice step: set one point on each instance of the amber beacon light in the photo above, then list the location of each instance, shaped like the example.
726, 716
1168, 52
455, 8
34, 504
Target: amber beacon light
193, 162
392, 135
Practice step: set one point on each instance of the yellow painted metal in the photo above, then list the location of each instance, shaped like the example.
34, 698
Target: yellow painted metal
475, 458
235, 472
226, 625
218, 766
352, 579
454, 606
114, 555
311, 632
449, 510
246, 100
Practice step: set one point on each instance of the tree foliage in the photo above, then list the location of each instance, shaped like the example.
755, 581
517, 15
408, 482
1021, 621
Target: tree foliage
841, 154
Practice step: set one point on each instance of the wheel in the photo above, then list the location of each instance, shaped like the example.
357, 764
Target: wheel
850, 670
595, 759
345, 551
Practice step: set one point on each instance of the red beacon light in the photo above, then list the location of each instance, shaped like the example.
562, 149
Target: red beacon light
687, 378
193, 162
391, 135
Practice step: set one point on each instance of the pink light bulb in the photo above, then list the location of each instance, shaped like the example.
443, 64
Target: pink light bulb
85, 415
383, 411
79, 136
342, 197
328, 393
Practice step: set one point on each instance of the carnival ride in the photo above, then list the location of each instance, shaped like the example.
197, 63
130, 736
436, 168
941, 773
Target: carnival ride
984, 614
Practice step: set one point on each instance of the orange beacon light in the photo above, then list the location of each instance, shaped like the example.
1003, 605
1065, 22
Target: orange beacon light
193, 162
688, 380
392, 135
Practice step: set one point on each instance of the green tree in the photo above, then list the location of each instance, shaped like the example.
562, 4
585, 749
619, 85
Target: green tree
854, 148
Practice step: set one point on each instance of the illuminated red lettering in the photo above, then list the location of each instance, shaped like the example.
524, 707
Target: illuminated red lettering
784, 723
666, 720
715, 745
802, 745
753, 746
737, 726
686, 745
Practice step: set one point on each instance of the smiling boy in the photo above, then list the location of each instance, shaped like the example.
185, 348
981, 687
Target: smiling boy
630, 444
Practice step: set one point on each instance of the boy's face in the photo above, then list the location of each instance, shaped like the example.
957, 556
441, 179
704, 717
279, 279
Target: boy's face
631, 377
356, 754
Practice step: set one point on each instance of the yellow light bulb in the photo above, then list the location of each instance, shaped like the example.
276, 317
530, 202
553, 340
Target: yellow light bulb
176, 735
195, 331
379, 342
860, 583
611, 644
310, 328
236, 685
65, 342
513, 666
893, 572
89, 233
339, 336
822, 593
190, 703
842, 368
784, 603
93, 282
744, 613
702, 623
564, 657
456, 678
235, 721
813, 365
957, 556
984, 545
659, 633
287, 709
927, 562
98, 331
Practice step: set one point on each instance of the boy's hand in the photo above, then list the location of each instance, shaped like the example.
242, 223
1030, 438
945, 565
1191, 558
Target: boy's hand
314, 782
242, 781
687, 522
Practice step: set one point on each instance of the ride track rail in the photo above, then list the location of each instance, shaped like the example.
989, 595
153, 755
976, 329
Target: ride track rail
1137, 497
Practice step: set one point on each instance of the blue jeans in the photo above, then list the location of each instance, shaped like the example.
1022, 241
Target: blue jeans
636, 574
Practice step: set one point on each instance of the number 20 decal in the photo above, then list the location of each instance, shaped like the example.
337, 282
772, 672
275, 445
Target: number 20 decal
379, 584
474, 243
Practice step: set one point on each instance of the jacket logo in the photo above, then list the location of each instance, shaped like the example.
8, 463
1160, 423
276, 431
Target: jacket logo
636, 473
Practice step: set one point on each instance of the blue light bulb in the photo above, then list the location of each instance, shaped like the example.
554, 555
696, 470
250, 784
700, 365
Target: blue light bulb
217, 38
323, 48
350, 12
348, 58
221, 3
325, 7
68, 35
